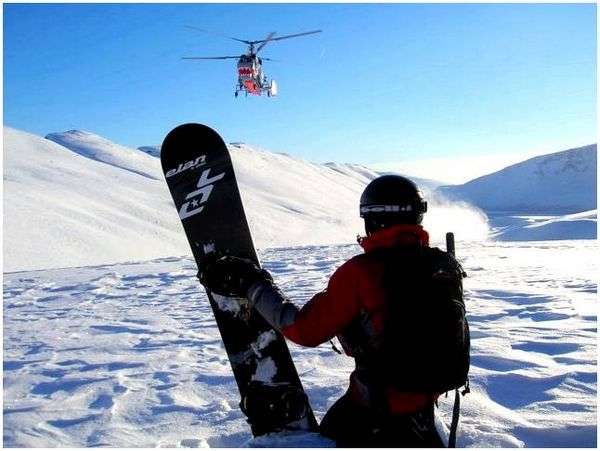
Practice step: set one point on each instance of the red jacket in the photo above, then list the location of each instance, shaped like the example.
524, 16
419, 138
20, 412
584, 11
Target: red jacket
355, 291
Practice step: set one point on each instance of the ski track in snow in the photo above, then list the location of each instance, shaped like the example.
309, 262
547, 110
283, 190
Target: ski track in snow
128, 355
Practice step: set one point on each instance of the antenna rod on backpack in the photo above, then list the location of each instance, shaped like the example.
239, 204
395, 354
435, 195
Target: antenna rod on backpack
450, 248
450, 243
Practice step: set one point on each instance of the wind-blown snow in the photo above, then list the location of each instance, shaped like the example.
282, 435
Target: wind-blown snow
89, 201
129, 355
562, 182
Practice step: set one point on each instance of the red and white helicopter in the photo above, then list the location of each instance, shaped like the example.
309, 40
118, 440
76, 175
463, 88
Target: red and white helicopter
251, 78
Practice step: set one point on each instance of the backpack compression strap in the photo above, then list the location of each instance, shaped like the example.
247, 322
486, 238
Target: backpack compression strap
455, 416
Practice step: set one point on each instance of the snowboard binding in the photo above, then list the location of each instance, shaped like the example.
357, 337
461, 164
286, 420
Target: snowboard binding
279, 404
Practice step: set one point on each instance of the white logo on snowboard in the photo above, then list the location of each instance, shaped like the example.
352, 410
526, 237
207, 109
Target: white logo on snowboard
192, 164
196, 198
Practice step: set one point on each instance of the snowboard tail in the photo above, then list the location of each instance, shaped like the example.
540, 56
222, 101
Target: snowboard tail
199, 172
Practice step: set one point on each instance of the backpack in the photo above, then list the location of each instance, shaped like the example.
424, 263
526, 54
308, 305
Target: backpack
426, 341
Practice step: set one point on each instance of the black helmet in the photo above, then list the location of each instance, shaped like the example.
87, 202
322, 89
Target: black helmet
391, 199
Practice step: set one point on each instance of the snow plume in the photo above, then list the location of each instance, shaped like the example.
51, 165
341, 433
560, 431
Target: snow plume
466, 221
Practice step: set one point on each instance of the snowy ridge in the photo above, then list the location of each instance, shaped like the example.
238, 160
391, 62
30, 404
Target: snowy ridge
354, 170
70, 209
151, 150
88, 201
291, 201
98, 148
562, 182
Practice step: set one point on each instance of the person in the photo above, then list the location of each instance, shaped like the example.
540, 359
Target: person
369, 305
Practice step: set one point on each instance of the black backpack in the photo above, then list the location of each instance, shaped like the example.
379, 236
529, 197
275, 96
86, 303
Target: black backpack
426, 340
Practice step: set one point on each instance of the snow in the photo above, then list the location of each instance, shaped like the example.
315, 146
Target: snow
110, 341
562, 182
129, 355
547, 227
100, 149
96, 205
151, 150
77, 199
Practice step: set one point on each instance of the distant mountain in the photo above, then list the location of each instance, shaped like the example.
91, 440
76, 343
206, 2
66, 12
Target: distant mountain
558, 183
151, 150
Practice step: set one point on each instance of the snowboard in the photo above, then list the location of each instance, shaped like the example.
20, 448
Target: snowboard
199, 172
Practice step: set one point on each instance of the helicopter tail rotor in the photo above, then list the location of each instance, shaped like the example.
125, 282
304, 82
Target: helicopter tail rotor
272, 91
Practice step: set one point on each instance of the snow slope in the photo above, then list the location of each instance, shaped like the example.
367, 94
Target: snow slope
98, 148
77, 199
129, 355
353, 170
151, 150
562, 182
425, 185
577, 226
101, 204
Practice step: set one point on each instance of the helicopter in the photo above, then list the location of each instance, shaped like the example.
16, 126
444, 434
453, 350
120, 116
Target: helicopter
251, 78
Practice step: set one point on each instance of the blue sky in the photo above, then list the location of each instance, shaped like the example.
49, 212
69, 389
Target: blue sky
383, 84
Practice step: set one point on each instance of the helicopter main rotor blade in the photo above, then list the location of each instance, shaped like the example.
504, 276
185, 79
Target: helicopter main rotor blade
209, 57
218, 34
289, 36
265, 41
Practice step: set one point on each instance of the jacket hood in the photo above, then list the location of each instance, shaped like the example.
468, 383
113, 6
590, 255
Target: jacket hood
397, 235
